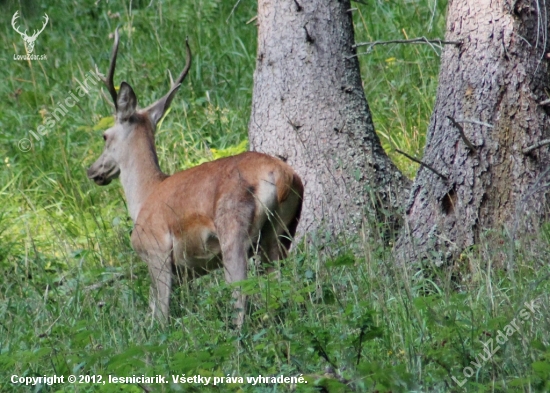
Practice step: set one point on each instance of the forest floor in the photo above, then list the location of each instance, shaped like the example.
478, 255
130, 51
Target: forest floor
74, 295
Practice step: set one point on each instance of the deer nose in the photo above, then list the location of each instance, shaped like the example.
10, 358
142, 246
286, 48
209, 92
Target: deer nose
90, 173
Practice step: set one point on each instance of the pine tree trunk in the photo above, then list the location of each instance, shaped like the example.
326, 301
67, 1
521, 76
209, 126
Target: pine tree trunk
497, 76
309, 107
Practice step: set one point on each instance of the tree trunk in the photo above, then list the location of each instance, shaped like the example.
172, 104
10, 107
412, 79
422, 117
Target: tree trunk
497, 76
309, 107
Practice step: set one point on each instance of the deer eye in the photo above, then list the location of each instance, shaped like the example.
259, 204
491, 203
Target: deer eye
105, 137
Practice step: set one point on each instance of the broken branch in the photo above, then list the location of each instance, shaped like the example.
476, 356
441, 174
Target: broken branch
537, 145
423, 164
419, 40
252, 19
479, 123
462, 135
309, 38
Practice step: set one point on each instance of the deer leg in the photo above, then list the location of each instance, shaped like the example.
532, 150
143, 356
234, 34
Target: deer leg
160, 270
233, 224
158, 255
270, 249
274, 242
235, 269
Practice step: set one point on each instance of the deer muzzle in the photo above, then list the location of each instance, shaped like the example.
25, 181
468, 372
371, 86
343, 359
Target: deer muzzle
101, 174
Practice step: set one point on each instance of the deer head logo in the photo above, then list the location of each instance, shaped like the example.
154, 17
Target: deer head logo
29, 40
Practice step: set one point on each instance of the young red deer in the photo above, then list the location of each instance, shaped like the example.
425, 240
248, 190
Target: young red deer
202, 218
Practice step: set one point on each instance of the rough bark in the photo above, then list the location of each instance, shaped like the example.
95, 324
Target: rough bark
309, 107
497, 76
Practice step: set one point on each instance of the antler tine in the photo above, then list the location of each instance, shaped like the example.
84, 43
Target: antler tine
159, 107
13, 19
43, 26
167, 98
109, 80
185, 71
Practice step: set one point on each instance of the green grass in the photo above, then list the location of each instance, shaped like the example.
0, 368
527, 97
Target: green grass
74, 296
400, 80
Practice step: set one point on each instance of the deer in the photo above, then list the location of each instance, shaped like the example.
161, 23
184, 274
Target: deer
29, 40
214, 215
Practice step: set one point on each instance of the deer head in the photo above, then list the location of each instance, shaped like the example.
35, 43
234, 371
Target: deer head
127, 119
29, 40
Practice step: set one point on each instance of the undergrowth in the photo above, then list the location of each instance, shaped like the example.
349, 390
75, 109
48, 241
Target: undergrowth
74, 296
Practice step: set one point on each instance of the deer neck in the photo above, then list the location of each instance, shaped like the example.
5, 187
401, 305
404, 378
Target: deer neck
140, 173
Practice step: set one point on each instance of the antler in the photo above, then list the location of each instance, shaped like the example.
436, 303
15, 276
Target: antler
176, 84
185, 71
43, 27
109, 80
15, 16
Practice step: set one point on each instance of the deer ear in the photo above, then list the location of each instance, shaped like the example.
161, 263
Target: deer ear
126, 102
159, 108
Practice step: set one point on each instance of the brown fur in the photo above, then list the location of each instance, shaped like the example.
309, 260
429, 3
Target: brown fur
196, 218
